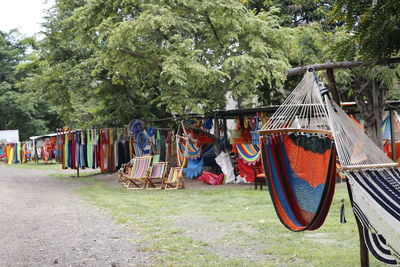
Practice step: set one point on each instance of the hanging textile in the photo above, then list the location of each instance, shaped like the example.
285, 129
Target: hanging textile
295, 135
194, 168
249, 153
374, 181
224, 161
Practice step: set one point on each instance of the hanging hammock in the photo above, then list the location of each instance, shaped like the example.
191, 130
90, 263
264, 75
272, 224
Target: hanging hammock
189, 157
375, 185
299, 134
249, 153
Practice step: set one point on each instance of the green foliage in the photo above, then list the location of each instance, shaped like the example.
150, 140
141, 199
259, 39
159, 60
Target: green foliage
374, 24
178, 56
19, 108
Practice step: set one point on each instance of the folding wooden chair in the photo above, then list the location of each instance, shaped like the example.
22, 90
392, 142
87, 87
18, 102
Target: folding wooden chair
124, 171
157, 175
174, 179
139, 173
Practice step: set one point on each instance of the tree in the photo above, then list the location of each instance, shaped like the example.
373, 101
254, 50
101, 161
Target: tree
375, 26
20, 109
186, 54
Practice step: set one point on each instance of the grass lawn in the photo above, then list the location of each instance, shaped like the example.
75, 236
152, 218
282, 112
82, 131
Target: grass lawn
36, 166
220, 226
227, 227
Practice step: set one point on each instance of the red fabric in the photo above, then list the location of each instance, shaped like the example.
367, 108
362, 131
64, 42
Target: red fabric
62, 150
387, 148
102, 152
247, 172
211, 178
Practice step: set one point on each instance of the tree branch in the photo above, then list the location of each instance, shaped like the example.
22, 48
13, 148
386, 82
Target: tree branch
214, 30
339, 65
138, 55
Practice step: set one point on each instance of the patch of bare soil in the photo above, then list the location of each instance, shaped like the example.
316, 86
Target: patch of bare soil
224, 238
43, 223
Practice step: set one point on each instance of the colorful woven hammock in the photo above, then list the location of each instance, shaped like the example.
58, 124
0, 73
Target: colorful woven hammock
194, 168
193, 152
299, 157
301, 194
249, 153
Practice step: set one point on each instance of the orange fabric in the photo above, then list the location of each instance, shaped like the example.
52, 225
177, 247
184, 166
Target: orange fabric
301, 162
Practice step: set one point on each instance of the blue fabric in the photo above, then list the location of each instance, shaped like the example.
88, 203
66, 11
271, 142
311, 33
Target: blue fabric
141, 140
208, 124
307, 196
278, 188
137, 127
194, 168
151, 131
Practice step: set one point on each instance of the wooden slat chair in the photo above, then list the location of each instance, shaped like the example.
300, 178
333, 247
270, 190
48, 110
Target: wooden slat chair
174, 179
139, 173
157, 175
124, 171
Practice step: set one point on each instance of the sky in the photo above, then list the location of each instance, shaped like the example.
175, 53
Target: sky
26, 15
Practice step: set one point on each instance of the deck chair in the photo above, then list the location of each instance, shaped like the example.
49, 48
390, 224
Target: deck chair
174, 179
124, 171
139, 173
157, 175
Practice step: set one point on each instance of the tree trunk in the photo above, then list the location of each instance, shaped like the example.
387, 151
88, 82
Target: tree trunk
370, 98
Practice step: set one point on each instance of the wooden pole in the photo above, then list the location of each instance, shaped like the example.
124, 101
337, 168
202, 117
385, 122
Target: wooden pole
364, 256
339, 65
392, 135
225, 134
217, 141
332, 85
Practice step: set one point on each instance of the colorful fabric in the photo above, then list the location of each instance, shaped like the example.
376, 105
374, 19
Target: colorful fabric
248, 172
211, 178
376, 203
385, 126
249, 153
174, 174
157, 170
193, 152
302, 194
140, 167
194, 168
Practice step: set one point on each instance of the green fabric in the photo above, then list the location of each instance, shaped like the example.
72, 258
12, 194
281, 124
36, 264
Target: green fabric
88, 146
66, 151
19, 152
156, 158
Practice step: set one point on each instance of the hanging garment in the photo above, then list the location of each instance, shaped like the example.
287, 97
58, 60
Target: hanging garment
10, 154
89, 149
224, 161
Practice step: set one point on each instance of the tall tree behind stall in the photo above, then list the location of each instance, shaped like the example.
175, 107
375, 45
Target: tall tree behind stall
375, 36
160, 56
19, 108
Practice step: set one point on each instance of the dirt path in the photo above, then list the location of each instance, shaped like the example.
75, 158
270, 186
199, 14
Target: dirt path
43, 223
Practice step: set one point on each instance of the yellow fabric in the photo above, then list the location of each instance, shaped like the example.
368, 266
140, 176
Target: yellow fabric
11, 155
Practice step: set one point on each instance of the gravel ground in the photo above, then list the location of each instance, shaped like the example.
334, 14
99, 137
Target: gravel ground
43, 223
